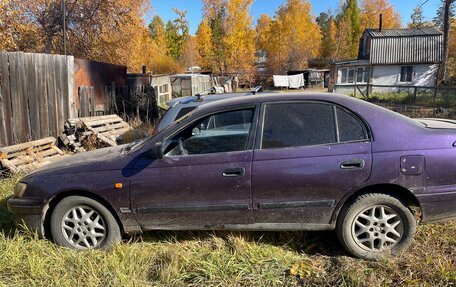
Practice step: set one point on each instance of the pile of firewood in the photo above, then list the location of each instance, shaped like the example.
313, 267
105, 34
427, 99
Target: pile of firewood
82, 134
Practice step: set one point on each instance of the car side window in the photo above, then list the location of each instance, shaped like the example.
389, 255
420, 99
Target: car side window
221, 132
298, 124
350, 127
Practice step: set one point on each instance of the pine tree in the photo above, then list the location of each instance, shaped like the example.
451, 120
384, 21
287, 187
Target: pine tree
158, 33
439, 18
172, 40
417, 18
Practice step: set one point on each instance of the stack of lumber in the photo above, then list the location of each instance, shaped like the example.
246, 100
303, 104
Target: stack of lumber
88, 133
27, 156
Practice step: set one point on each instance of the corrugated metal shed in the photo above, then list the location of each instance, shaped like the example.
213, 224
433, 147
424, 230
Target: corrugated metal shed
374, 33
404, 46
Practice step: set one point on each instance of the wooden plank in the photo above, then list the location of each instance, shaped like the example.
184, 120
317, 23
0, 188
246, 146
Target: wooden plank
99, 118
27, 151
92, 101
6, 163
23, 86
57, 149
65, 90
6, 97
116, 132
102, 122
29, 155
35, 157
110, 127
3, 136
106, 140
58, 64
34, 112
27, 145
43, 95
73, 112
51, 92
15, 99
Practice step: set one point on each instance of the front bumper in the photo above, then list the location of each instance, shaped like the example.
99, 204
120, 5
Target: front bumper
29, 212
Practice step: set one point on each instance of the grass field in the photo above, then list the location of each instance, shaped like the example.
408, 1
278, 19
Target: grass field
221, 259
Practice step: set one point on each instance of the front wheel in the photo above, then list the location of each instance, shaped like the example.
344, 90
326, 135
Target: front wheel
82, 223
375, 225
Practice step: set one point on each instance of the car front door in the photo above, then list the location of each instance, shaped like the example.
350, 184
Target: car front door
309, 155
204, 177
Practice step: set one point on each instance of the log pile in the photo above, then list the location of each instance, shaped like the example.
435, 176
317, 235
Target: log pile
22, 158
89, 133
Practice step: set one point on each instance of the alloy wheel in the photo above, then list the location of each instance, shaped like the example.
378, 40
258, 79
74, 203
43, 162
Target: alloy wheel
83, 227
377, 228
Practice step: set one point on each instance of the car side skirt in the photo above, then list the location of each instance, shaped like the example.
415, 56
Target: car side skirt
254, 227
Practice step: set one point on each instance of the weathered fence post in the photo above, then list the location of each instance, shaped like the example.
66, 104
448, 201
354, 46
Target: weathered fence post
92, 101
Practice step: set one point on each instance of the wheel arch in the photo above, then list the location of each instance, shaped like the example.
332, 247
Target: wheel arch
394, 190
52, 203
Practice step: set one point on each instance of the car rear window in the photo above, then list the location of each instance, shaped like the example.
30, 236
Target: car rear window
298, 124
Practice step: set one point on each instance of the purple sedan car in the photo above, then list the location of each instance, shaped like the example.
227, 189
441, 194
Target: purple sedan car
268, 162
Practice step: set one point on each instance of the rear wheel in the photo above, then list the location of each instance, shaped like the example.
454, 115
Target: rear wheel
82, 223
375, 225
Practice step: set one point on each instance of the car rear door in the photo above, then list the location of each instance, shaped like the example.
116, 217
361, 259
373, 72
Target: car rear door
309, 155
204, 178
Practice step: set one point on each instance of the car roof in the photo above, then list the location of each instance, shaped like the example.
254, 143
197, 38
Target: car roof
196, 101
271, 97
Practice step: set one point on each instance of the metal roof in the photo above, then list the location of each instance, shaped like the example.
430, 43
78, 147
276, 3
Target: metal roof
402, 46
411, 32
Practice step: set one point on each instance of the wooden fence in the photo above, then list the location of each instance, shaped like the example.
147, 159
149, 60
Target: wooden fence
129, 102
402, 94
36, 96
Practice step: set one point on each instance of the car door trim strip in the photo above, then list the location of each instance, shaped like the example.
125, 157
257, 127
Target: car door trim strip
296, 204
193, 208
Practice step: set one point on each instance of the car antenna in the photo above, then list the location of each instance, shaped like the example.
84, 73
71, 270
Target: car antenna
199, 96
256, 89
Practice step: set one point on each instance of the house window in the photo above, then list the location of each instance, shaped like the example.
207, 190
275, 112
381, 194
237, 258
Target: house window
163, 89
347, 75
406, 73
362, 74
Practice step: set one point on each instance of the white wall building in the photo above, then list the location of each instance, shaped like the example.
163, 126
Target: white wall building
392, 57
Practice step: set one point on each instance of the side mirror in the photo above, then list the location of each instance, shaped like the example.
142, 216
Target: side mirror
156, 151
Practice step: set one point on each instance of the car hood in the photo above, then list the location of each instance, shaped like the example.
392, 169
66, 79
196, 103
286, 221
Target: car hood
102, 159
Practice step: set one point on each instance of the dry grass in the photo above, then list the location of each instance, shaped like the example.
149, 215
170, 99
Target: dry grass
221, 259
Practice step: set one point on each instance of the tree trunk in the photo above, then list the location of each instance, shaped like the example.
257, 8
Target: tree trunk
48, 45
446, 40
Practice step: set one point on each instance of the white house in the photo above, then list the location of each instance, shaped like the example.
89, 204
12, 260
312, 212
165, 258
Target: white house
391, 57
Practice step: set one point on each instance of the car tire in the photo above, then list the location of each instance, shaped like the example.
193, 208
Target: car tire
375, 225
82, 223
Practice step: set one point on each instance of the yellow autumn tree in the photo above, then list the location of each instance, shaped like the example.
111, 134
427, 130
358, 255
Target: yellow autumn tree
99, 30
370, 13
190, 56
204, 46
239, 40
294, 37
263, 32
17, 32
